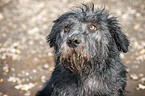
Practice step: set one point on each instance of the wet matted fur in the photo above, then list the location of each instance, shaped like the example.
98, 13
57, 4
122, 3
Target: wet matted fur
87, 45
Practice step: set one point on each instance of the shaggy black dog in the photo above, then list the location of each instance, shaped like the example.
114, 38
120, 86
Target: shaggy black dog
87, 44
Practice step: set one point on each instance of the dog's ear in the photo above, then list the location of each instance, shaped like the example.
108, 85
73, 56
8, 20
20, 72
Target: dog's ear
51, 38
120, 38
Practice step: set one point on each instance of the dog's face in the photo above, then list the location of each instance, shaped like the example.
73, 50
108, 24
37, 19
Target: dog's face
87, 33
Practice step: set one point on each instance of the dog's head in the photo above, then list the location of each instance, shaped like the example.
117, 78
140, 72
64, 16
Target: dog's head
87, 32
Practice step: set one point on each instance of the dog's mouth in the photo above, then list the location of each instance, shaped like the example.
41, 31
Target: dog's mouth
75, 60
75, 53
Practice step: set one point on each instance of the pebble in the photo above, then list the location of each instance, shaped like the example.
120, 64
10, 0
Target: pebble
43, 79
125, 16
135, 66
30, 77
13, 69
25, 87
16, 44
13, 50
4, 35
33, 31
6, 68
142, 51
1, 17
15, 57
27, 74
143, 80
133, 11
34, 71
3, 57
50, 54
5, 95
1, 80
46, 66
1, 93
134, 76
127, 69
136, 27
122, 55
141, 87
138, 15
140, 58
31, 42
28, 93
14, 79
141, 75
51, 68
18, 51
127, 62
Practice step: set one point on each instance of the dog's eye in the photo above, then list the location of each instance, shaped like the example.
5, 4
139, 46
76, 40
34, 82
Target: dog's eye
92, 27
66, 28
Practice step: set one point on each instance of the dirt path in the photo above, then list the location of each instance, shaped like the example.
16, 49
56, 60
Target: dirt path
26, 60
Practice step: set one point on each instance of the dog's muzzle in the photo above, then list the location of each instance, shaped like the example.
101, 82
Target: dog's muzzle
73, 42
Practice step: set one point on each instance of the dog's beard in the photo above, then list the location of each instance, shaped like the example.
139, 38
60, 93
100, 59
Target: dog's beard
75, 59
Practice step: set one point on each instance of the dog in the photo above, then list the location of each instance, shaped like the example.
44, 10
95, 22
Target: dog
87, 45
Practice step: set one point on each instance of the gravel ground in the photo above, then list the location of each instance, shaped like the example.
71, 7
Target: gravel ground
26, 60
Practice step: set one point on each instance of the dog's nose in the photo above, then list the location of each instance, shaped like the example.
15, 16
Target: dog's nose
73, 42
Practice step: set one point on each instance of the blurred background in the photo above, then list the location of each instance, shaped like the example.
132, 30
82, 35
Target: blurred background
26, 60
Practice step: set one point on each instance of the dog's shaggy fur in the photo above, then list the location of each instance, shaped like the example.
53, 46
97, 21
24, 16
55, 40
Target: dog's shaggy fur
86, 46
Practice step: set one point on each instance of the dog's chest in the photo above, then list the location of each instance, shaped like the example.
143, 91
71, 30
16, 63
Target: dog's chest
94, 84
91, 83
